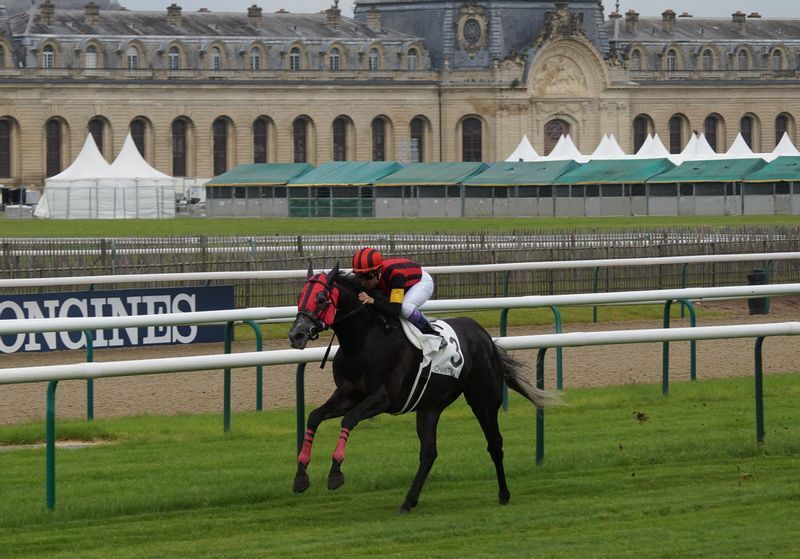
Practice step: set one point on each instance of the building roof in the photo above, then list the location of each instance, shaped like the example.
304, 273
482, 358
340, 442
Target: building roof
714, 170
261, 174
346, 173
615, 171
525, 173
705, 30
442, 174
782, 169
286, 26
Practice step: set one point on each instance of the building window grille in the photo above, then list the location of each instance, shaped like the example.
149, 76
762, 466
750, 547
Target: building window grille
137, 133
471, 140
294, 59
96, 127
174, 58
179, 148
417, 146
220, 133
5, 148
132, 55
54, 138
777, 60
672, 60
636, 60
708, 60
743, 60
255, 58
641, 127
781, 127
746, 129
412, 59
379, 140
48, 57
374, 59
216, 59
340, 139
90, 58
334, 60
553, 131
260, 141
675, 134
711, 128
300, 140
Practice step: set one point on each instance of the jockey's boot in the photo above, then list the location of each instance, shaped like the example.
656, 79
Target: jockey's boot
421, 321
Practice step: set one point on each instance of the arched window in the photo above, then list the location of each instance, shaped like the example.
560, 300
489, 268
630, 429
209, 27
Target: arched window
90, 57
5, 148
412, 59
54, 139
553, 131
777, 59
255, 58
2, 57
746, 129
96, 129
675, 134
334, 59
636, 60
179, 147
220, 134
216, 59
743, 60
374, 59
48, 57
132, 56
260, 140
711, 129
417, 147
138, 129
708, 60
672, 60
471, 140
379, 139
340, 139
641, 128
174, 58
781, 127
300, 140
294, 59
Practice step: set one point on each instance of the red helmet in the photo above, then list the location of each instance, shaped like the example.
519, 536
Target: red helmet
367, 260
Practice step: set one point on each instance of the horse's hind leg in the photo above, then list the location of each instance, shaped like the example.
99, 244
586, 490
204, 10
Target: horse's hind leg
427, 421
485, 410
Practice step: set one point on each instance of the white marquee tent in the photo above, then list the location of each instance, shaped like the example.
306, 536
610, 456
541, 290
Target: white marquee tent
90, 188
524, 151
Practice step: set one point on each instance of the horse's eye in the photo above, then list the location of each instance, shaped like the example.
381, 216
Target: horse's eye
321, 300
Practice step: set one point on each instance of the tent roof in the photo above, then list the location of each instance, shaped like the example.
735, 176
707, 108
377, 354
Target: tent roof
521, 173
346, 173
785, 147
432, 174
608, 148
260, 174
565, 149
653, 148
130, 163
782, 169
524, 151
90, 164
714, 170
740, 149
615, 171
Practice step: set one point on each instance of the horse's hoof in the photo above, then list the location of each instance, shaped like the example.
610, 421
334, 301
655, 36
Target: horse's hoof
505, 498
301, 483
405, 509
335, 480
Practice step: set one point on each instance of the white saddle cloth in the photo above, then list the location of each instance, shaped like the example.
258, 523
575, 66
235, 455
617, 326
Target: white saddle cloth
447, 361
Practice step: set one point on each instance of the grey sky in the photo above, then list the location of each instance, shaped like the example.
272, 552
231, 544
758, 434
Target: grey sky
716, 8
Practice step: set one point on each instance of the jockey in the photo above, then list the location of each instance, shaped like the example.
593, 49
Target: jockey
403, 281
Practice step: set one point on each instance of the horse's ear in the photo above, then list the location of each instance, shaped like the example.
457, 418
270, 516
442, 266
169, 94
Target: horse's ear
334, 272
310, 270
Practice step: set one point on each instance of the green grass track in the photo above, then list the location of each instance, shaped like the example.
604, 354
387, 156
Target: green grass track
628, 473
18, 228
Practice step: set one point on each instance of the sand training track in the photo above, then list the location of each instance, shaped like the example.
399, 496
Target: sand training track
201, 392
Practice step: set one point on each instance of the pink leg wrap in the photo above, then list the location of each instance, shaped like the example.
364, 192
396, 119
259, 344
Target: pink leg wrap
305, 451
338, 454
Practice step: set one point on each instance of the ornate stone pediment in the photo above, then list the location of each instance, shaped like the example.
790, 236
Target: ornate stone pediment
561, 24
560, 75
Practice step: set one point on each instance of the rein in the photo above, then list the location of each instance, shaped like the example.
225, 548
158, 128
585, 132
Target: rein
338, 319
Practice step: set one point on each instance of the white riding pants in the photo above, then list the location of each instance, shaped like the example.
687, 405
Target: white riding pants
417, 294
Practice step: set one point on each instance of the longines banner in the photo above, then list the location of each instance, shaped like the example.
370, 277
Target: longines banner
127, 302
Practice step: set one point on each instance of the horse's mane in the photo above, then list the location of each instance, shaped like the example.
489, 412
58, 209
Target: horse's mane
348, 281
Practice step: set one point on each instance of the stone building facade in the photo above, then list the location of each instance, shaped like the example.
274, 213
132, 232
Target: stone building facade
405, 80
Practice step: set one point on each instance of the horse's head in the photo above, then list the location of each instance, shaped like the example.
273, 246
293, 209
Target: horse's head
316, 308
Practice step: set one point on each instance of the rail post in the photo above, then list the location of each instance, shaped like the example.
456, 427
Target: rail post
759, 381
540, 411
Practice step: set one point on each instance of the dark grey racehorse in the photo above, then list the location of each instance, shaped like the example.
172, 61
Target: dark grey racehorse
376, 366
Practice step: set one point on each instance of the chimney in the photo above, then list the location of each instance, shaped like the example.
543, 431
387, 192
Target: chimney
174, 15
739, 20
92, 14
631, 20
334, 16
614, 15
685, 14
254, 16
374, 20
755, 15
668, 21
47, 11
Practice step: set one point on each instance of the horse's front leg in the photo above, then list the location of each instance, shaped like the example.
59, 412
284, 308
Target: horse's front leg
376, 403
336, 406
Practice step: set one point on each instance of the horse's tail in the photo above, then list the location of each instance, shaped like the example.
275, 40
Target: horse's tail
514, 377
